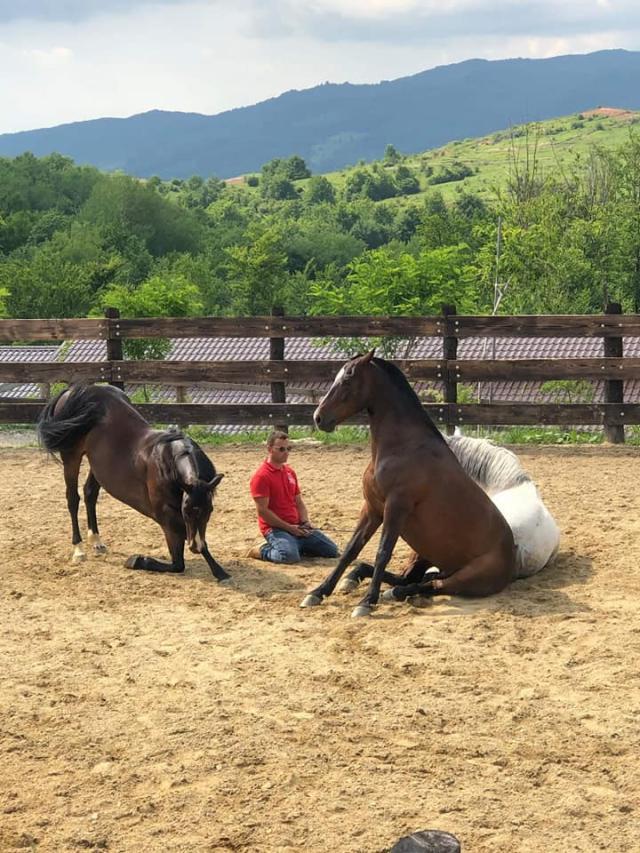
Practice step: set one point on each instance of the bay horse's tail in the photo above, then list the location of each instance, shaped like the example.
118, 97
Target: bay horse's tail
76, 415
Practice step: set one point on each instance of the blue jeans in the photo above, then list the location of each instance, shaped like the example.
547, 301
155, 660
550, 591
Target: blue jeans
283, 547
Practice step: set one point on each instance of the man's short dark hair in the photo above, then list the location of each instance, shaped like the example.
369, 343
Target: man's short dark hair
276, 435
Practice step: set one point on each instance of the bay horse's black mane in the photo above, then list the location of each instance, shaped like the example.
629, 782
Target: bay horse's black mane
400, 382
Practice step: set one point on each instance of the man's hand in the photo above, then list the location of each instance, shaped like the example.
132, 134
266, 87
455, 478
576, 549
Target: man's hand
299, 529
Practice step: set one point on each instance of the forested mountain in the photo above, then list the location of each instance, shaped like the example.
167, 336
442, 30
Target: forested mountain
398, 236
333, 125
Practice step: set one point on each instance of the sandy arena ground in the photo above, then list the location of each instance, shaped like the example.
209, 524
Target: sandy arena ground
165, 713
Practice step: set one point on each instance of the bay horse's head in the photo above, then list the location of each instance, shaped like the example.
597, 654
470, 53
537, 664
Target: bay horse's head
349, 393
197, 506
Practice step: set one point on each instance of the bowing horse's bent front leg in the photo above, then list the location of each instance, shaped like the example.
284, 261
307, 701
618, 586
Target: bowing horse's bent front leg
175, 536
367, 525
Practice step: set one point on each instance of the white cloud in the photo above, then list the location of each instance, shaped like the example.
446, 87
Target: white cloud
50, 57
211, 55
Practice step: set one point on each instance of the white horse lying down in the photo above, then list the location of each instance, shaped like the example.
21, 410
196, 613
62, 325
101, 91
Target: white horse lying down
499, 472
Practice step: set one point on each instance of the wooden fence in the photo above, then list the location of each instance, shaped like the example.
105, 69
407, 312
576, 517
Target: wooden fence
277, 372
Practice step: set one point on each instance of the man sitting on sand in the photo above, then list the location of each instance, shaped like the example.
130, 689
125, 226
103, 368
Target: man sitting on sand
282, 516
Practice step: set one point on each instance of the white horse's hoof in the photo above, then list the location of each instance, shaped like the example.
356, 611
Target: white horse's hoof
347, 585
361, 610
78, 557
311, 600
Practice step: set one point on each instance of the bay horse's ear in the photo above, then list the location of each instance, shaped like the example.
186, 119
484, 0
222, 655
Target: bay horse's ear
213, 483
369, 355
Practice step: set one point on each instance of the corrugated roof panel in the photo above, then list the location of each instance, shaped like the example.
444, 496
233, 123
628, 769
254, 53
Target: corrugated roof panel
238, 349
29, 354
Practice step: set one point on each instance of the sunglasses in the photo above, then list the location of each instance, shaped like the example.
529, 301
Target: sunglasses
283, 449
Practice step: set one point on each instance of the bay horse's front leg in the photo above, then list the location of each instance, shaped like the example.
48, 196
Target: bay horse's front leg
413, 572
394, 516
216, 569
367, 525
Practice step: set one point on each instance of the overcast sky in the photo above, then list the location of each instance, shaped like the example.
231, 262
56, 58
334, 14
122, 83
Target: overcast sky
71, 60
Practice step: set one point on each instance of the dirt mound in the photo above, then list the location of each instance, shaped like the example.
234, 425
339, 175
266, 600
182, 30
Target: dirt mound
609, 112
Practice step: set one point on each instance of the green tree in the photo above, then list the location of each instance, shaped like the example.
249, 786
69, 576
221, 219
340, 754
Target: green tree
44, 285
171, 296
124, 208
392, 283
391, 155
406, 181
257, 273
278, 187
319, 190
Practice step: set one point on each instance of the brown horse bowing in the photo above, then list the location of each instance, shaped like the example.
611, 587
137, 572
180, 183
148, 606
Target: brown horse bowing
416, 489
163, 475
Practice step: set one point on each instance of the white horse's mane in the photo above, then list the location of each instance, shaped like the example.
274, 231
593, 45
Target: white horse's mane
494, 468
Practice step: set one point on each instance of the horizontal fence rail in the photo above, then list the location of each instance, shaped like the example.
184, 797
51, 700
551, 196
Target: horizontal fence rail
184, 372
265, 414
277, 373
460, 326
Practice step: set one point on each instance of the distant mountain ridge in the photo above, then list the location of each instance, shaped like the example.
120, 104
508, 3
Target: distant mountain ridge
333, 125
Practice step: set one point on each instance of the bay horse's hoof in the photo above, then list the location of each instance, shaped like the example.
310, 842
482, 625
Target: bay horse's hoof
347, 585
311, 600
361, 610
390, 595
420, 601
133, 562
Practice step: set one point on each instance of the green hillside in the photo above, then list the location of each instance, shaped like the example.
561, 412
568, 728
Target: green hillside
558, 145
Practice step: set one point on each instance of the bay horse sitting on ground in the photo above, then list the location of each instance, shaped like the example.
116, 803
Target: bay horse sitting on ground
163, 475
416, 489
499, 473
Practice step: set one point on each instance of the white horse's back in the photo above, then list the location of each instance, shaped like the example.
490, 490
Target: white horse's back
498, 471
535, 531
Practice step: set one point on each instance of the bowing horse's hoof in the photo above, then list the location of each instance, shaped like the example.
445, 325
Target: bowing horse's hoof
392, 595
225, 582
311, 600
133, 562
361, 610
347, 585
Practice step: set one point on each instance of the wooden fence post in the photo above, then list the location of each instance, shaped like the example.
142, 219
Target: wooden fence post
613, 388
449, 352
114, 341
276, 353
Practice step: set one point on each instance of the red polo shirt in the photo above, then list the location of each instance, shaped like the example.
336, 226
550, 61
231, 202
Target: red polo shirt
280, 485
